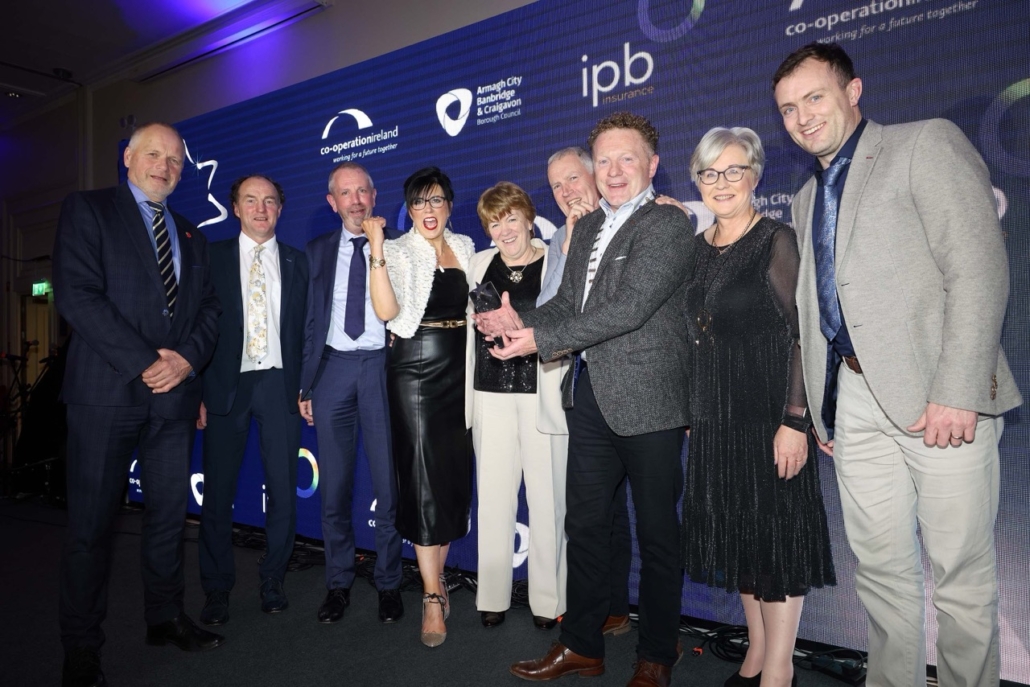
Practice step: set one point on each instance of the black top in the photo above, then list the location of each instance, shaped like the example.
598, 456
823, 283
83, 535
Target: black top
518, 375
449, 296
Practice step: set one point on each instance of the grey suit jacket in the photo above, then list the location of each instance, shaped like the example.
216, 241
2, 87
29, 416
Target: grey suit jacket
633, 323
921, 271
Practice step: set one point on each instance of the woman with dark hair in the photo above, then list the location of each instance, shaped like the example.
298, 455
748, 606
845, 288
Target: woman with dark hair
422, 295
753, 518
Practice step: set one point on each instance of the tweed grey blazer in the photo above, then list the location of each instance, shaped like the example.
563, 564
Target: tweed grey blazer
922, 275
633, 323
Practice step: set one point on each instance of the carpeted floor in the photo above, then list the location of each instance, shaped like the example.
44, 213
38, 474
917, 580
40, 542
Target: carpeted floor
290, 648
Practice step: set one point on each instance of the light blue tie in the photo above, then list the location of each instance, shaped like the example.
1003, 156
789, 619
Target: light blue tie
825, 236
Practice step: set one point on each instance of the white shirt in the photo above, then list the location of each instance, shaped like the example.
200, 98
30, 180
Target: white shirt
273, 299
374, 336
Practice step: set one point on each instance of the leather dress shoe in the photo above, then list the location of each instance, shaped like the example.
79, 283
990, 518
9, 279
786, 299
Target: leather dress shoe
216, 608
558, 662
183, 633
273, 598
336, 601
616, 625
391, 607
650, 674
82, 669
542, 623
738, 680
492, 618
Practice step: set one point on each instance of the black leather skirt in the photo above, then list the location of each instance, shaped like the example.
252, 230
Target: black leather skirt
426, 384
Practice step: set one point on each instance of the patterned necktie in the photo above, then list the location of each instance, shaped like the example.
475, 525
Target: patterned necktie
354, 321
164, 254
257, 309
824, 241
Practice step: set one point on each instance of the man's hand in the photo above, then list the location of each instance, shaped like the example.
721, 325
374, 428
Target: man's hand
943, 425
202, 418
790, 451
305, 411
167, 372
494, 323
517, 343
826, 448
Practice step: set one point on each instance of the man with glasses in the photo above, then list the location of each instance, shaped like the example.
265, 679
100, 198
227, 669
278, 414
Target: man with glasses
343, 387
901, 295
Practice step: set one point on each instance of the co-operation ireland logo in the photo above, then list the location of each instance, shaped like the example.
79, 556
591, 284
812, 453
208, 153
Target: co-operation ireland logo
454, 125
361, 145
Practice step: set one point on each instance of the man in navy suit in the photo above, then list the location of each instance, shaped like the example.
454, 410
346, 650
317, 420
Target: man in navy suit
132, 279
343, 386
262, 284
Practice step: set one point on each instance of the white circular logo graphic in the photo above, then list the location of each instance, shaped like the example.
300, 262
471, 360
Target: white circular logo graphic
463, 97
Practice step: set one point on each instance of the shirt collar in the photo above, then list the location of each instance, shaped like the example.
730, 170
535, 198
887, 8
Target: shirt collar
247, 245
632, 204
848, 149
141, 197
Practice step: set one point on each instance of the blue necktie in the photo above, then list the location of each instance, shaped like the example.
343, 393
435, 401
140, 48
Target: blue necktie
354, 322
824, 240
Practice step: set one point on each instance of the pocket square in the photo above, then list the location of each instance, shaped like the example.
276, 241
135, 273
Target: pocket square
622, 257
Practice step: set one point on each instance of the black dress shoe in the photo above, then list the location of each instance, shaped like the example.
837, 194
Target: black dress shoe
336, 601
738, 680
543, 623
183, 633
391, 608
273, 598
82, 669
216, 608
492, 618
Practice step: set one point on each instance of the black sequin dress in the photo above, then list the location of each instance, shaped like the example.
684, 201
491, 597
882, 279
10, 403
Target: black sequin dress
744, 528
425, 381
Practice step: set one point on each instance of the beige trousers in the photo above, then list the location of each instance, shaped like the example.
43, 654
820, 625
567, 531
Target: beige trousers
890, 482
509, 447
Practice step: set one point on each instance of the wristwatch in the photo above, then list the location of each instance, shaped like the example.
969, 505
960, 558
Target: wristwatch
374, 262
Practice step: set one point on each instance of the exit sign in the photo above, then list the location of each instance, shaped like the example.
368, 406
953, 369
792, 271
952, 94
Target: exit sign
40, 288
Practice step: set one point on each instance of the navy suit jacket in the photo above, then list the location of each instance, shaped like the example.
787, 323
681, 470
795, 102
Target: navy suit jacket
108, 287
322, 254
223, 374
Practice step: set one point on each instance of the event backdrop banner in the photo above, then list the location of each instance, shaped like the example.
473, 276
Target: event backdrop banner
493, 100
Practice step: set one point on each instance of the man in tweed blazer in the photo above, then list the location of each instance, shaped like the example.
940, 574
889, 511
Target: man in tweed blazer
916, 281
620, 307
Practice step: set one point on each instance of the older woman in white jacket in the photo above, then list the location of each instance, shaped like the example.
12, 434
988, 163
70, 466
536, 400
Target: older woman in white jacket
518, 425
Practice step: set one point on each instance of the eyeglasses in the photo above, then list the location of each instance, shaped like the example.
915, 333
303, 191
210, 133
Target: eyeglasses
434, 202
732, 173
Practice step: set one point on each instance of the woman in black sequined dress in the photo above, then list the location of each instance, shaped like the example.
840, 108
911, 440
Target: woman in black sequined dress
753, 518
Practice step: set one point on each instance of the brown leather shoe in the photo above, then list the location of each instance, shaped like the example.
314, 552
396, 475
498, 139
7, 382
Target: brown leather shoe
648, 674
559, 661
616, 625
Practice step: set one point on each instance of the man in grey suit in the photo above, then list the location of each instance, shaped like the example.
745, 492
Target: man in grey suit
901, 294
619, 307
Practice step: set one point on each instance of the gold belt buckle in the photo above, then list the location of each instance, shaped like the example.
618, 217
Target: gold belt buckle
444, 324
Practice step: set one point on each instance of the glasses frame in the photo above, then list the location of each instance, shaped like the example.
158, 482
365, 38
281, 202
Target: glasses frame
436, 202
741, 168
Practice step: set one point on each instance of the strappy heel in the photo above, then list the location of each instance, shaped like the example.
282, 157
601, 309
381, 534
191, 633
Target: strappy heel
446, 596
432, 639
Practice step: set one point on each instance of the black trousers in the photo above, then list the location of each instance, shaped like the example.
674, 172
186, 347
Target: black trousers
259, 395
599, 460
101, 441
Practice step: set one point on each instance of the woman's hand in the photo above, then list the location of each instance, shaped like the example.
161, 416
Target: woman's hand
790, 451
373, 228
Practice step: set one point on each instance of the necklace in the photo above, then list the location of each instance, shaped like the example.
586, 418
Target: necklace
704, 316
515, 276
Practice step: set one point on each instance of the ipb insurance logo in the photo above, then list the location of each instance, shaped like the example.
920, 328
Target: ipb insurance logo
463, 98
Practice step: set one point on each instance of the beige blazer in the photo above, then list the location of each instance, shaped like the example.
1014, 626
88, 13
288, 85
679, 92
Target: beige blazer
550, 417
922, 275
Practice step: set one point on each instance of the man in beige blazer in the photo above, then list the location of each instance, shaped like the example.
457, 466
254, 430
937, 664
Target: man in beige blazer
901, 295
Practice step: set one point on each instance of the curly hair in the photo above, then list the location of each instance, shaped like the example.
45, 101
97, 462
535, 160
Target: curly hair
626, 120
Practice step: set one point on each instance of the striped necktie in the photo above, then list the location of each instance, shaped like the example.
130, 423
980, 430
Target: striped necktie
592, 265
164, 254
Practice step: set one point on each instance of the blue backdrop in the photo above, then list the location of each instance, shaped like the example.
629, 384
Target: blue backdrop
491, 101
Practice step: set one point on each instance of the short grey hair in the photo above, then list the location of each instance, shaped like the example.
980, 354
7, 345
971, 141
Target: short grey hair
718, 139
349, 165
582, 154
138, 132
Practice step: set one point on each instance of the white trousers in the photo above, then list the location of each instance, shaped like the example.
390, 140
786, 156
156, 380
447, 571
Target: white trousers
509, 447
889, 482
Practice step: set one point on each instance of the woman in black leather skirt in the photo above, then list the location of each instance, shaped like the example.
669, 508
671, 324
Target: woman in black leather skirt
422, 294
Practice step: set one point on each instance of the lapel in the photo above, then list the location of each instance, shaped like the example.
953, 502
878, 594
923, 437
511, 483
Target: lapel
622, 236
581, 264
286, 272
183, 300
329, 258
806, 270
234, 299
861, 169
139, 234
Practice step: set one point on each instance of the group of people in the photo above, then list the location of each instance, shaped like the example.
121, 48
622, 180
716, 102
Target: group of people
870, 331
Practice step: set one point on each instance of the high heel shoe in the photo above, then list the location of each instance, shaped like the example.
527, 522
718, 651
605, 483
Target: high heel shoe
738, 680
446, 596
432, 639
